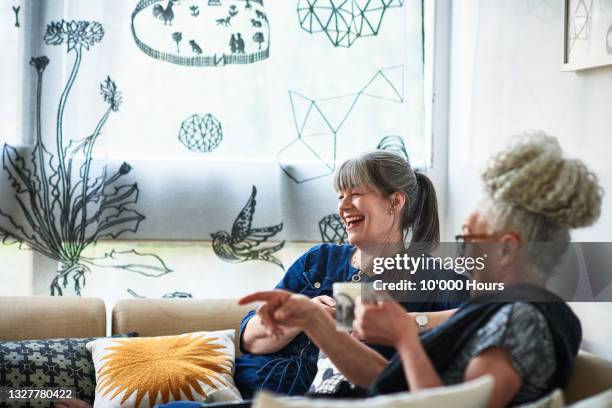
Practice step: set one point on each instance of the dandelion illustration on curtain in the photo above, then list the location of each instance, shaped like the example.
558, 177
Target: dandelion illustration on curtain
63, 207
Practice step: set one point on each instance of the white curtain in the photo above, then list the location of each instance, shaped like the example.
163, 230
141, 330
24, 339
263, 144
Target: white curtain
215, 105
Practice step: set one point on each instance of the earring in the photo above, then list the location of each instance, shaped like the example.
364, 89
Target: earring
391, 210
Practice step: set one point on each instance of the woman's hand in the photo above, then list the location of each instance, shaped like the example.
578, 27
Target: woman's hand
327, 303
282, 308
384, 323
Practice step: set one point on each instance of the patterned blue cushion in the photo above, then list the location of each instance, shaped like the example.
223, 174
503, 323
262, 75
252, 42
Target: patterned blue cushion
53, 363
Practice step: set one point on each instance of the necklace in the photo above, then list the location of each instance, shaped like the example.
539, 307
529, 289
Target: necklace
356, 264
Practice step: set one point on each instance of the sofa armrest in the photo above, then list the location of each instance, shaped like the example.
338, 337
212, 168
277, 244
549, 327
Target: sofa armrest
592, 375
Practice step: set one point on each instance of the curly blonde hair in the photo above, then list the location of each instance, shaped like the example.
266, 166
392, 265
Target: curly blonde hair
541, 194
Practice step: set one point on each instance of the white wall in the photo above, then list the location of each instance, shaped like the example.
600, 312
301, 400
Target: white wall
506, 78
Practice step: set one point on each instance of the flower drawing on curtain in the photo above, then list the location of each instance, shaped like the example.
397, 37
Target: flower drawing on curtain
244, 242
63, 207
344, 21
16, 11
170, 295
224, 33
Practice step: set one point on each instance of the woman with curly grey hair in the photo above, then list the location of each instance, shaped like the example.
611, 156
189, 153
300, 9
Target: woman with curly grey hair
524, 336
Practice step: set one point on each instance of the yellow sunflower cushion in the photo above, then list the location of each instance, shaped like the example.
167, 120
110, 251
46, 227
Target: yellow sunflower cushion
144, 371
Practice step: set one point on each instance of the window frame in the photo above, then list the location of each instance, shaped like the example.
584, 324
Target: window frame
437, 29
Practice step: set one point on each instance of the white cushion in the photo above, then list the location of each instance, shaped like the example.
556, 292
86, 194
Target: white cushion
552, 400
601, 400
144, 371
472, 394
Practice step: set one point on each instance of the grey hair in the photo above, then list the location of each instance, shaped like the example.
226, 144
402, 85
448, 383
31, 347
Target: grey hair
534, 190
387, 172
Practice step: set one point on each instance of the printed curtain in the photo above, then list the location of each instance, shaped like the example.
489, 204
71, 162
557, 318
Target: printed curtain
149, 133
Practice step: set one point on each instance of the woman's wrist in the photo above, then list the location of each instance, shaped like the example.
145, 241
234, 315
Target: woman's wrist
318, 321
406, 333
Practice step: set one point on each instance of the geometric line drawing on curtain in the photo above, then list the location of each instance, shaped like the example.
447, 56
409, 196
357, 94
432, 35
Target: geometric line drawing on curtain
581, 23
64, 207
201, 133
312, 154
244, 242
172, 295
344, 21
219, 36
395, 144
16, 11
332, 229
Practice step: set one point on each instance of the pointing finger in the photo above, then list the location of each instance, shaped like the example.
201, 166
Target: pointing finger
259, 296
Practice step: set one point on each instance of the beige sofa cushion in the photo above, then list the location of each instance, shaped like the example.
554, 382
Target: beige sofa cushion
48, 317
162, 317
592, 375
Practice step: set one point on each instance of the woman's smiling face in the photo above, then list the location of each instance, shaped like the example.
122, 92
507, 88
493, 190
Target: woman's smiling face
369, 216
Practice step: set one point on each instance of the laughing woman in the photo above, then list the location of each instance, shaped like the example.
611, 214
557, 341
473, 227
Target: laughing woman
380, 200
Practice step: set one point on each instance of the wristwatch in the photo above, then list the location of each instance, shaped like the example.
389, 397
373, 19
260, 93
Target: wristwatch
422, 321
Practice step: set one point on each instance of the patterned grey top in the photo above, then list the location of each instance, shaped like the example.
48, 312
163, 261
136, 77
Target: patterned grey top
520, 328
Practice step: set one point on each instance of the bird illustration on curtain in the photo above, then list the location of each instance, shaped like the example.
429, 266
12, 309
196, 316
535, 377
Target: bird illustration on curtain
244, 242
164, 14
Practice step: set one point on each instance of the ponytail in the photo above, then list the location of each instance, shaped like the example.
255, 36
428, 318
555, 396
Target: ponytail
426, 223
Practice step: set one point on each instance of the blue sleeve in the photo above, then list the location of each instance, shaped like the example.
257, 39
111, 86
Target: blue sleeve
243, 324
293, 281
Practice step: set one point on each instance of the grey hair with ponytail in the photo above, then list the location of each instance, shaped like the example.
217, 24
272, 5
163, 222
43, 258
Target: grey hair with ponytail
389, 173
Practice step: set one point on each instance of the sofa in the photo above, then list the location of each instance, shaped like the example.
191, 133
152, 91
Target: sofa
46, 317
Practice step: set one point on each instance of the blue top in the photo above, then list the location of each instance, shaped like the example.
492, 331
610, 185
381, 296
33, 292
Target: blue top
291, 370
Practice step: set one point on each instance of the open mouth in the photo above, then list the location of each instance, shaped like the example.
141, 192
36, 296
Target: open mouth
353, 221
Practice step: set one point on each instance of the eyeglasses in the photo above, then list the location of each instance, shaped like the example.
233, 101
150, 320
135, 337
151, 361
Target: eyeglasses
464, 239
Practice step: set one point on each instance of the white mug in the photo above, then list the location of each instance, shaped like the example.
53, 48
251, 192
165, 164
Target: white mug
346, 295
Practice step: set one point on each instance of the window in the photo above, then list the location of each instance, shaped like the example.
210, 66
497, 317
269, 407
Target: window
222, 105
